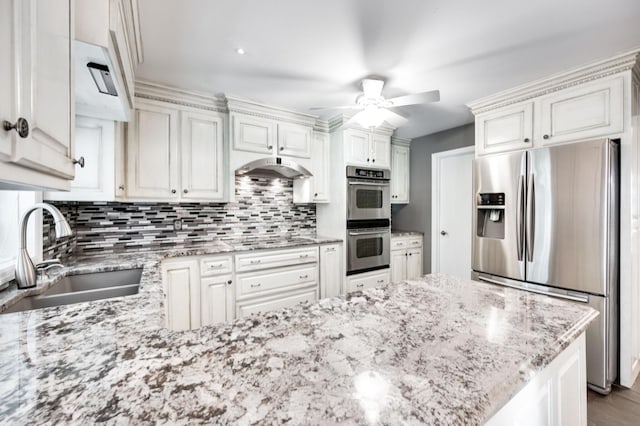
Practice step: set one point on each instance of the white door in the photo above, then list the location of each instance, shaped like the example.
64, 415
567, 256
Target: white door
451, 212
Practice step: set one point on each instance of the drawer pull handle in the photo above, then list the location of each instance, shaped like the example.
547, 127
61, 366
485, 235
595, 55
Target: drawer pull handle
304, 256
255, 285
255, 262
331, 249
302, 277
217, 265
359, 285
380, 281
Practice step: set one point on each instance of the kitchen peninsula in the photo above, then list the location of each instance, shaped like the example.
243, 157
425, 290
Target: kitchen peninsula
437, 350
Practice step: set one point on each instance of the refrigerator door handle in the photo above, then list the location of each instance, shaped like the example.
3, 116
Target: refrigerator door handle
520, 219
531, 218
539, 290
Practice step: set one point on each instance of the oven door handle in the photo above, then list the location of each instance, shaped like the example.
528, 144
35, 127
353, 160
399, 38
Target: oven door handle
370, 183
355, 234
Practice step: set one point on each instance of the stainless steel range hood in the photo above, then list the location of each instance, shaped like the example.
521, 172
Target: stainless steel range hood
274, 167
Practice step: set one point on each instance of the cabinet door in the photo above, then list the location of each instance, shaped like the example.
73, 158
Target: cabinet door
321, 168
216, 295
414, 263
253, 134
507, 129
37, 72
590, 110
95, 142
152, 152
181, 285
368, 280
380, 151
294, 140
356, 145
285, 300
400, 173
202, 156
330, 270
398, 265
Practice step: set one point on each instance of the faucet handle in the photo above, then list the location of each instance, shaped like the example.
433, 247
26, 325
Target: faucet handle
46, 264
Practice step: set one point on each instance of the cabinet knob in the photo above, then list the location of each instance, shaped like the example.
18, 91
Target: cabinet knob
410, 254
229, 282
373, 160
21, 127
173, 191
282, 148
79, 161
545, 137
406, 255
367, 160
121, 187
315, 195
186, 191
526, 140
270, 147
443, 232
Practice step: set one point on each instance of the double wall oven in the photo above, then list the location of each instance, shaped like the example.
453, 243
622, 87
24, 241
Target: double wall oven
368, 219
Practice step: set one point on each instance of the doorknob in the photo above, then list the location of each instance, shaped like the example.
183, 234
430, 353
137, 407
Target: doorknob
443, 232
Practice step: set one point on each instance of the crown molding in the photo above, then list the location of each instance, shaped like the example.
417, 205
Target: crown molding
321, 126
159, 92
248, 107
342, 121
576, 76
395, 140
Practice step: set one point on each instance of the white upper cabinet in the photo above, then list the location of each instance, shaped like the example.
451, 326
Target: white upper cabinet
202, 156
175, 153
95, 142
400, 173
586, 111
152, 152
363, 148
507, 129
35, 78
316, 188
294, 140
253, 134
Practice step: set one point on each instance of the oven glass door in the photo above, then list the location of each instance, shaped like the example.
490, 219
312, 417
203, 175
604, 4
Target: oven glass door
368, 200
368, 249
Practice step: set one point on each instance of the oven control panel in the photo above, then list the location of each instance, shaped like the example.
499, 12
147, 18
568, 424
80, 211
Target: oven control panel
365, 173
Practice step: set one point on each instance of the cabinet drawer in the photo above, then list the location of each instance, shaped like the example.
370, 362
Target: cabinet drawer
216, 265
287, 300
276, 279
414, 242
368, 280
265, 260
398, 243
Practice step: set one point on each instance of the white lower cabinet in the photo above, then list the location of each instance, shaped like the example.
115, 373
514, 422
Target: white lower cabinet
368, 280
406, 258
181, 287
556, 395
216, 295
331, 272
286, 300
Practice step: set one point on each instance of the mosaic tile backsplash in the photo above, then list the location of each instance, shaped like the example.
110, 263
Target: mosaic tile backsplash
263, 209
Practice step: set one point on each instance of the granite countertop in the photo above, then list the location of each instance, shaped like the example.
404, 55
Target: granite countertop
435, 350
398, 233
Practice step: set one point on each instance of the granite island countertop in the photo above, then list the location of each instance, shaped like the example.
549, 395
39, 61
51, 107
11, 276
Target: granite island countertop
434, 350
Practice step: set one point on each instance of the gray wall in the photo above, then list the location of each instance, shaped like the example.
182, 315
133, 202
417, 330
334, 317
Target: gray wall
416, 216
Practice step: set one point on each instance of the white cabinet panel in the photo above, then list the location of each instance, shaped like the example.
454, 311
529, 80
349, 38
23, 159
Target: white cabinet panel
216, 265
253, 134
216, 300
400, 174
398, 265
406, 258
380, 151
261, 260
356, 145
294, 140
261, 282
571, 391
287, 300
414, 263
181, 286
368, 280
202, 156
590, 110
507, 129
152, 168
331, 270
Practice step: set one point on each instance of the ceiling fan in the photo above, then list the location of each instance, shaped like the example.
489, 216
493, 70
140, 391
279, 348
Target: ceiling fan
375, 109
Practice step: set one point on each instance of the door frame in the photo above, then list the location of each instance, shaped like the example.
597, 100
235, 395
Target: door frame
436, 160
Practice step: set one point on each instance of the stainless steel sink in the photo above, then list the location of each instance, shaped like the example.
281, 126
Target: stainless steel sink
82, 288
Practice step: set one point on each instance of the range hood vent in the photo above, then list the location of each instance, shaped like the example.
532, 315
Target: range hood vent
274, 167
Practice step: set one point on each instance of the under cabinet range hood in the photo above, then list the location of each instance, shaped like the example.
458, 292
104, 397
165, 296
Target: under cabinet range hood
274, 167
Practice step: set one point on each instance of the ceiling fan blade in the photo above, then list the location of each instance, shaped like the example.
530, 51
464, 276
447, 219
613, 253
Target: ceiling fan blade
372, 88
416, 98
318, 108
395, 119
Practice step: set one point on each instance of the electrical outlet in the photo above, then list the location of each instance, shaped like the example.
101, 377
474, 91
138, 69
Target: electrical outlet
177, 224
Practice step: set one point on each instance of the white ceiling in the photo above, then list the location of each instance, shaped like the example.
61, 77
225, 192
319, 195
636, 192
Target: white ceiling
304, 53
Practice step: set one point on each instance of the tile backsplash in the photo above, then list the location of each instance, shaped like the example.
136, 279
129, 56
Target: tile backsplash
263, 209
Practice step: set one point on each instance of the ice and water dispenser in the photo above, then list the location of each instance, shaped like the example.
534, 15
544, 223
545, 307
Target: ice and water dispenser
490, 215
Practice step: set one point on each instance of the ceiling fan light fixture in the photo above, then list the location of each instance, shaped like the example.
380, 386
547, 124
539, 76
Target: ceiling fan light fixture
370, 117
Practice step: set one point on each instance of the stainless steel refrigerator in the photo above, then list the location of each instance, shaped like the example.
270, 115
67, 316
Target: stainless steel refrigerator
546, 220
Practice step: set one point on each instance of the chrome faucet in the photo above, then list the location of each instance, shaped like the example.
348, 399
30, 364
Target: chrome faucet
25, 270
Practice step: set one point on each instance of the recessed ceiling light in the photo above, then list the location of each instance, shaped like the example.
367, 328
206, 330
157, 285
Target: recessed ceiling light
240, 51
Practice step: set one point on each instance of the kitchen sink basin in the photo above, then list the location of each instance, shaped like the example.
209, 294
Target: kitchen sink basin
82, 288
